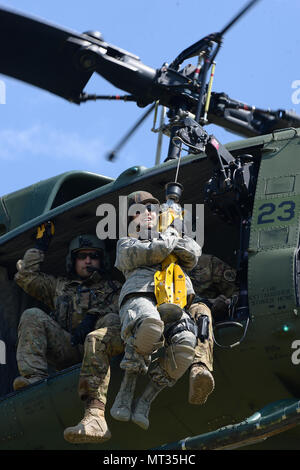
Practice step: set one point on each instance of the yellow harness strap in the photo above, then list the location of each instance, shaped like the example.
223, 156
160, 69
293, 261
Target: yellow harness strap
170, 284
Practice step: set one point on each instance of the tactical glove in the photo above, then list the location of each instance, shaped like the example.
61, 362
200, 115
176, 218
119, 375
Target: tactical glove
178, 224
84, 328
44, 236
220, 307
148, 234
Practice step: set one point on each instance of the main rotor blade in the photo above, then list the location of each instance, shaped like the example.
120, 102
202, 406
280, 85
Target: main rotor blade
38, 53
195, 48
112, 155
237, 17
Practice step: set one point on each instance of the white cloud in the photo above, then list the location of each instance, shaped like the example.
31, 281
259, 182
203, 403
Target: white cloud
41, 141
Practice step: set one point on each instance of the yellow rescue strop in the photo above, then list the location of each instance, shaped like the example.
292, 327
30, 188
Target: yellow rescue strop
170, 285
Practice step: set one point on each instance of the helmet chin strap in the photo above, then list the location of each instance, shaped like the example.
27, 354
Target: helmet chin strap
92, 269
103, 273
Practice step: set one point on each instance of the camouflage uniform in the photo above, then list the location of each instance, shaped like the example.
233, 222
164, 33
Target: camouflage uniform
211, 278
142, 327
139, 260
46, 338
100, 346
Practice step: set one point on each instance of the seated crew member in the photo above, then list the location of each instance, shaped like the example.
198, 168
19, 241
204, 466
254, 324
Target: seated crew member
76, 303
138, 257
214, 282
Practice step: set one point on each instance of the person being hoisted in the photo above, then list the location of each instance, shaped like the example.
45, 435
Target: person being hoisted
144, 318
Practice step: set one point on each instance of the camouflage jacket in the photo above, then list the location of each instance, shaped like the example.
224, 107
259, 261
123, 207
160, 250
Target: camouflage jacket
212, 277
138, 259
69, 300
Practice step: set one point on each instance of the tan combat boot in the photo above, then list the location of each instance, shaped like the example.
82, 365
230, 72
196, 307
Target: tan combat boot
21, 382
92, 428
201, 384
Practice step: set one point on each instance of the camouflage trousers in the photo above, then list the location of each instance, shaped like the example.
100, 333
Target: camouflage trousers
42, 341
203, 351
100, 346
132, 313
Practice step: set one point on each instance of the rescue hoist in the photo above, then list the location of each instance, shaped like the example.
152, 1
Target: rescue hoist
170, 284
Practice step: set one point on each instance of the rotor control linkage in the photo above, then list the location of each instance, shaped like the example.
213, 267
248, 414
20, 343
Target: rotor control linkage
247, 120
89, 97
198, 140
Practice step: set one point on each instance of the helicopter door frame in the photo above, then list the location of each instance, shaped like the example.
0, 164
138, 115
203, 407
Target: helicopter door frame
273, 286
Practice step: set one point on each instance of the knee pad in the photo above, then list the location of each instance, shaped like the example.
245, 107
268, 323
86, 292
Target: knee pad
33, 313
188, 338
177, 360
185, 332
148, 336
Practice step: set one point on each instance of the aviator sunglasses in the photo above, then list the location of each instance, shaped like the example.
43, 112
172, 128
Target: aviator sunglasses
152, 208
84, 255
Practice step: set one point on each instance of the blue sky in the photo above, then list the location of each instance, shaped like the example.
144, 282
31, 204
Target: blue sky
42, 135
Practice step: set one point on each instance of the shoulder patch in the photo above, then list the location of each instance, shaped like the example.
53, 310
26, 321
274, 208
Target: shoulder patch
230, 275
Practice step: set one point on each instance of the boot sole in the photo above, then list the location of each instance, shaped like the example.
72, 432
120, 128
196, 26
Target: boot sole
141, 424
200, 388
77, 439
19, 385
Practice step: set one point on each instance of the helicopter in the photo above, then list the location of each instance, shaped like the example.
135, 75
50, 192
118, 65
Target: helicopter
250, 190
